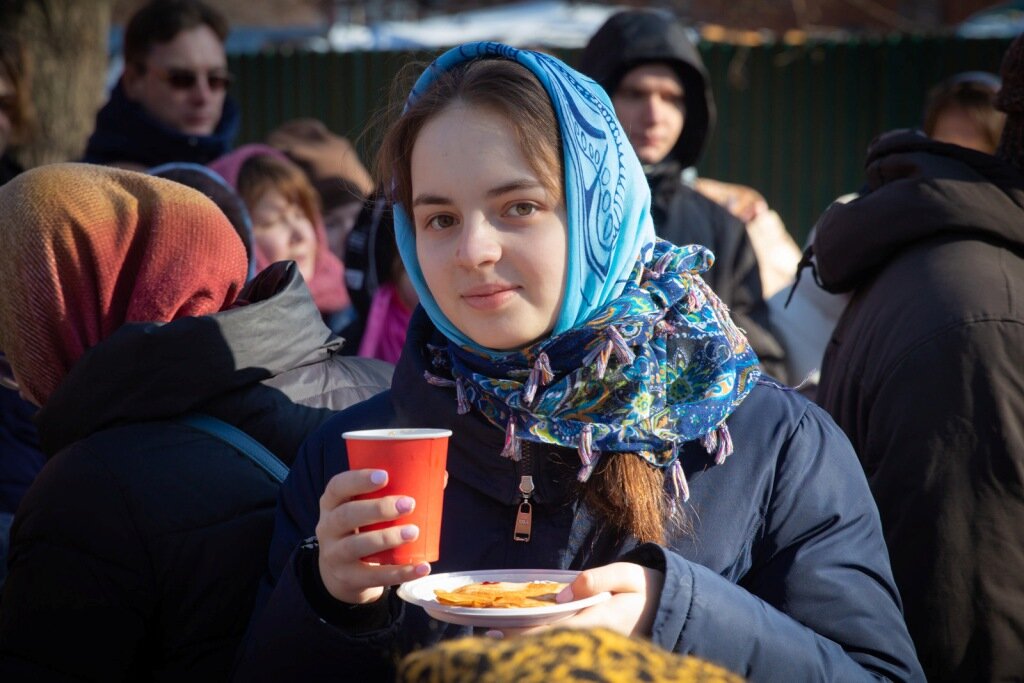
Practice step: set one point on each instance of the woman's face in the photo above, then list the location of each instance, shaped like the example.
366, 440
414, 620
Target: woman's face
491, 240
283, 231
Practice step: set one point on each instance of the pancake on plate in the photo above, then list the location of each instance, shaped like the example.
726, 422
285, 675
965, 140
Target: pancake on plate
502, 594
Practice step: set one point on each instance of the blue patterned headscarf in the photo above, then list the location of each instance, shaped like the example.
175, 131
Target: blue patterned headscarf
644, 356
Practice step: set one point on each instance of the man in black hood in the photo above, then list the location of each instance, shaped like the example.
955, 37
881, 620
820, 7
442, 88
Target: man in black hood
661, 93
924, 374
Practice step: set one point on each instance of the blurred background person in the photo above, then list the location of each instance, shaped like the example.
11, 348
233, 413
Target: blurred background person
136, 553
923, 372
381, 291
656, 79
16, 113
334, 168
287, 224
961, 110
171, 102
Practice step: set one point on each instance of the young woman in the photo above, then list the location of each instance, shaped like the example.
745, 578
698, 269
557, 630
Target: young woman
559, 340
287, 223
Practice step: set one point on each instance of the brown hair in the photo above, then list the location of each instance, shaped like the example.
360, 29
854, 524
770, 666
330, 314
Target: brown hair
14, 67
624, 490
973, 95
161, 20
264, 172
500, 85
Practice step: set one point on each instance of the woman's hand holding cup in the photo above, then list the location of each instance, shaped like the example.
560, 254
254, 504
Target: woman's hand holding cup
346, 577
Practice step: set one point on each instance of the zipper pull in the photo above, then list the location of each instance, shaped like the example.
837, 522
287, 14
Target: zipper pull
524, 518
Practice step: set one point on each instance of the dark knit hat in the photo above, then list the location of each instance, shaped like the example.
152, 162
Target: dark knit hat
1011, 101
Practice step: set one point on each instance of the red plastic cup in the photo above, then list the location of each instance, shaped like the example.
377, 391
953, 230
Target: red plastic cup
415, 462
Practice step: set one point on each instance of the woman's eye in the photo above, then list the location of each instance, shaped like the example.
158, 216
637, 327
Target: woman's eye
441, 222
523, 209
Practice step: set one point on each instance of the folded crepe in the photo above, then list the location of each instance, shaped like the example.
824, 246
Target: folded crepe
502, 594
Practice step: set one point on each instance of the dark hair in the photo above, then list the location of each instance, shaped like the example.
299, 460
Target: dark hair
14, 67
160, 21
974, 93
624, 490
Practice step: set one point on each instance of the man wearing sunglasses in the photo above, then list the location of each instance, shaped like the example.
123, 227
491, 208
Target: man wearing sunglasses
171, 103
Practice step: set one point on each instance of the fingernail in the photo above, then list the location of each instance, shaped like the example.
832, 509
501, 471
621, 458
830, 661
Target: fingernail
422, 569
565, 595
409, 533
405, 504
378, 477
497, 635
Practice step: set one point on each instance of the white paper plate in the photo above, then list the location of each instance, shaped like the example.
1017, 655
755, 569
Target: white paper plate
421, 592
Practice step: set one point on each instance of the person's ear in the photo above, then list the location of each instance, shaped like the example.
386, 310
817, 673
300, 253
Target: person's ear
131, 80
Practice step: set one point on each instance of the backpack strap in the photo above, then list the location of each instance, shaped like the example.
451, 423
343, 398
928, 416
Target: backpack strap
239, 440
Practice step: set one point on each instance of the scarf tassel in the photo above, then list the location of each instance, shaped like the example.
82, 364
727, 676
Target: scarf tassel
719, 443
460, 397
619, 345
437, 381
599, 358
588, 457
732, 333
682, 487
692, 301
540, 375
662, 264
511, 448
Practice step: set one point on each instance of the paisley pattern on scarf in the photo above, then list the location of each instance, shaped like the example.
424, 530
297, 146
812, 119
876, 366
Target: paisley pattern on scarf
658, 366
606, 194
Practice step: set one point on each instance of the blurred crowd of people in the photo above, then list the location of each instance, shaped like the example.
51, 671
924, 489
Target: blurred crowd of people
796, 462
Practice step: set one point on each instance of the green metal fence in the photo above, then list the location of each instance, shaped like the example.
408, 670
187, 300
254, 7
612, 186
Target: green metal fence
793, 121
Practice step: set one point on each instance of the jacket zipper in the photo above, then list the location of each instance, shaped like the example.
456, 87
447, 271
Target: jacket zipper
524, 518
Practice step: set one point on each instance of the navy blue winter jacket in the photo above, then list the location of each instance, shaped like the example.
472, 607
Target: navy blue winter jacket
784, 575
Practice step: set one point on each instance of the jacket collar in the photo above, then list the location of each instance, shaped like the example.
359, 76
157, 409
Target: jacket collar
125, 132
148, 371
917, 190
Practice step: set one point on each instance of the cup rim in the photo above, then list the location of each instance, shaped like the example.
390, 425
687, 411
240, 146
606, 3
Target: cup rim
397, 434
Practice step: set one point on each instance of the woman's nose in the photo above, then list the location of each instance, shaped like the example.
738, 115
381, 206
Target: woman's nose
299, 228
479, 243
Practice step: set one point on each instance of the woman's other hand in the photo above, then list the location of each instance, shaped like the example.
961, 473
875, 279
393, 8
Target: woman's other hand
346, 577
636, 592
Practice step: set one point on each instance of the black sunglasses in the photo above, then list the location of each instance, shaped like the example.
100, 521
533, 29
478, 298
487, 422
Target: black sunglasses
185, 79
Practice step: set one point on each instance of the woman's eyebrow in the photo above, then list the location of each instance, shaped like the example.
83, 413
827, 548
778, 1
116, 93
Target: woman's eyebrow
430, 199
514, 186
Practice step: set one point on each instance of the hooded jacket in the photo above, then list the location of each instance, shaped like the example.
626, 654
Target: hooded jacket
924, 374
127, 134
786, 581
147, 567
681, 214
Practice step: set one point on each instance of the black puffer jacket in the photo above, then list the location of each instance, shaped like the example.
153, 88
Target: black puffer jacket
924, 373
137, 551
681, 214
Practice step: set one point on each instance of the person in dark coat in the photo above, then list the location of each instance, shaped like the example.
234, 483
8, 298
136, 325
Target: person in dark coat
651, 69
171, 102
585, 366
136, 553
924, 373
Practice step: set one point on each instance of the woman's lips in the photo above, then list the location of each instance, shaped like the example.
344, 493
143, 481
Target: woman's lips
489, 297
